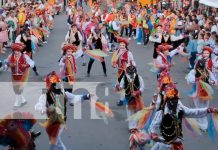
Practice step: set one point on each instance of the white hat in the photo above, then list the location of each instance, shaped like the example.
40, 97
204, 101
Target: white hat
180, 23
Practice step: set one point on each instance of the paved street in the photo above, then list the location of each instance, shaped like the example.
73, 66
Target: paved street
88, 134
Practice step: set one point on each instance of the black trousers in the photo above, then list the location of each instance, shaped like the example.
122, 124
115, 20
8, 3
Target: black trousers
145, 36
155, 54
131, 30
43, 38
192, 59
122, 30
91, 61
112, 38
178, 43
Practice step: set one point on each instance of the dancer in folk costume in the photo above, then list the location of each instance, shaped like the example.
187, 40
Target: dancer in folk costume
25, 38
202, 92
39, 24
206, 55
158, 39
120, 59
58, 6
95, 42
162, 37
78, 19
20, 64
15, 131
124, 24
74, 36
91, 24
49, 14
164, 58
68, 63
163, 79
166, 127
133, 85
54, 104
56, 113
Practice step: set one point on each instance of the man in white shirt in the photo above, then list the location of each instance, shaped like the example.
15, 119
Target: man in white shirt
133, 85
19, 64
74, 36
166, 126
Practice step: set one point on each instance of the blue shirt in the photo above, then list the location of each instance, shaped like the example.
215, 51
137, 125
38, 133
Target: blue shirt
150, 25
192, 46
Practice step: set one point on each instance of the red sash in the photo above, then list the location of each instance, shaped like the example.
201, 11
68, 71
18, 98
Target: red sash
177, 146
123, 60
164, 59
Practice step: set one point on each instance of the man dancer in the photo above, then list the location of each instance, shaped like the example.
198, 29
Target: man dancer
68, 63
120, 59
133, 85
202, 77
74, 37
166, 127
206, 55
50, 103
164, 58
20, 64
95, 42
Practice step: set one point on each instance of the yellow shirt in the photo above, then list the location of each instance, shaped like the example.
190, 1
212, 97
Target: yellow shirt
21, 18
144, 24
51, 2
130, 19
172, 26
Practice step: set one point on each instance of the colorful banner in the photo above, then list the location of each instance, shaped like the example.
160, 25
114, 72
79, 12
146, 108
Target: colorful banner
147, 2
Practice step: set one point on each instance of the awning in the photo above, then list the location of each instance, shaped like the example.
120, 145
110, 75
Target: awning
211, 3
